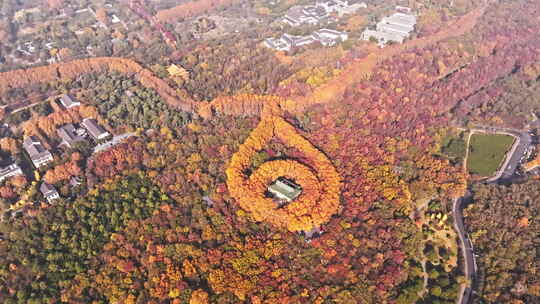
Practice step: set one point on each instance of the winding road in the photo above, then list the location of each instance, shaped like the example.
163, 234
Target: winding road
466, 249
505, 172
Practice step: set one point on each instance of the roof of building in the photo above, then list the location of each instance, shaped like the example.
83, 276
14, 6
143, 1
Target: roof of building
398, 29
315, 11
315, 231
409, 17
9, 169
295, 14
401, 20
68, 102
93, 128
33, 146
270, 42
291, 20
68, 134
403, 8
329, 33
285, 187
278, 44
288, 39
74, 181
47, 189
532, 164
303, 40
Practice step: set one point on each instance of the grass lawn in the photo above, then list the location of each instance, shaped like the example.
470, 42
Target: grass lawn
487, 152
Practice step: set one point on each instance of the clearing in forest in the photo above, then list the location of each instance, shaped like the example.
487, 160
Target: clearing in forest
486, 153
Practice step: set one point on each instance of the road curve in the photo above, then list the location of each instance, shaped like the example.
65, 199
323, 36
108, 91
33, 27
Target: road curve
466, 249
507, 170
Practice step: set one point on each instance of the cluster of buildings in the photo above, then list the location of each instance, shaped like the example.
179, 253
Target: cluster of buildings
286, 42
313, 14
395, 28
69, 135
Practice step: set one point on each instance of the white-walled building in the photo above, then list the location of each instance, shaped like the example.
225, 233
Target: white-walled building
313, 14
49, 192
9, 171
394, 28
328, 37
38, 154
94, 129
286, 42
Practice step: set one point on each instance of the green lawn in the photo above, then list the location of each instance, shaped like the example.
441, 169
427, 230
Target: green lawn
487, 152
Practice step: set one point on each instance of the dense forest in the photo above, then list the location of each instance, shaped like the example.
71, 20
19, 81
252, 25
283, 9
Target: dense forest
125, 103
179, 212
504, 222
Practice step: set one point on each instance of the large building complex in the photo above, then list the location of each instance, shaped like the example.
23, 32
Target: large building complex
313, 14
395, 28
286, 42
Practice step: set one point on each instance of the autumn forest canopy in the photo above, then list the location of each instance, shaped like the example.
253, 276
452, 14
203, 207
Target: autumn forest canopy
160, 152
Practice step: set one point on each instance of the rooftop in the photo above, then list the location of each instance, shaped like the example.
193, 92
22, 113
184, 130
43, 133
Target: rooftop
398, 29
10, 170
68, 102
69, 136
46, 189
33, 146
285, 189
95, 130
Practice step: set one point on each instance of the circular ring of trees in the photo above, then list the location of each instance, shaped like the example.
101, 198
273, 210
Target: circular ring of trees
320, 181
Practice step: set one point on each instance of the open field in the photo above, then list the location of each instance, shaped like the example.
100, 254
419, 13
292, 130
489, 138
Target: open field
486, 153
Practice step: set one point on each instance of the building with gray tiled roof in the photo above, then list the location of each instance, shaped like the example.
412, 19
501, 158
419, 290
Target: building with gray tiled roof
49, 192
9, 171
37, 153
94, 129
69, 135
68, 102
285, 190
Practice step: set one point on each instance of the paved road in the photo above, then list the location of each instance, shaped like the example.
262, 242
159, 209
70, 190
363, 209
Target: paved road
466, 248
508, 170
525, 141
